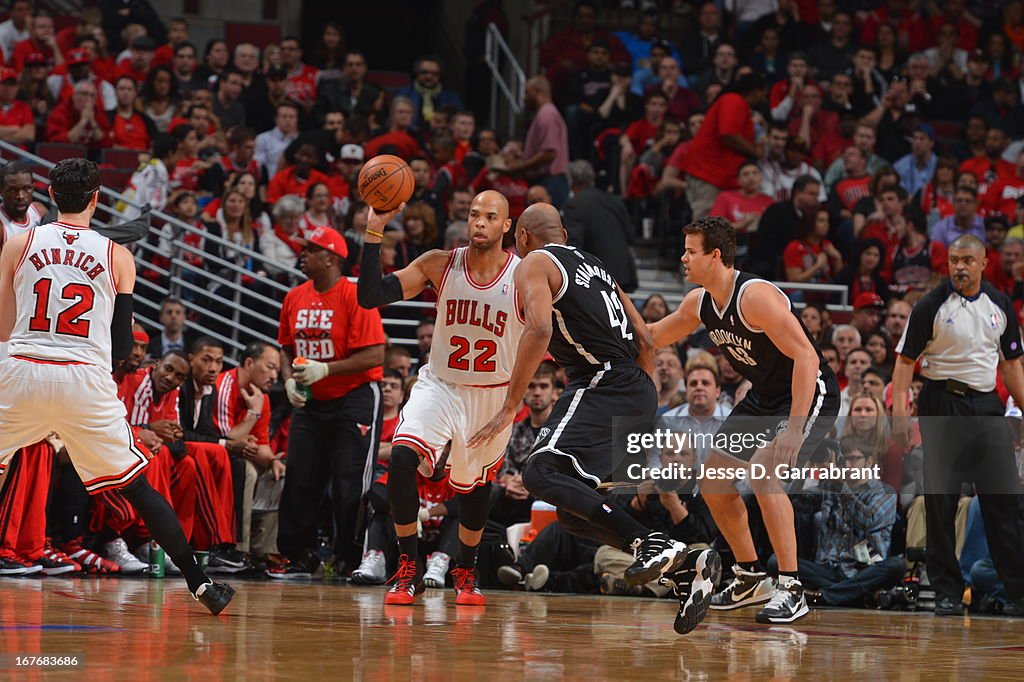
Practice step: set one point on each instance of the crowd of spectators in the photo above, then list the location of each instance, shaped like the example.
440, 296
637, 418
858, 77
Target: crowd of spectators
848, 144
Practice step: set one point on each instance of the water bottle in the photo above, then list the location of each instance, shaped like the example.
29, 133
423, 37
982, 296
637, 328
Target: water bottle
305, 391
156, 560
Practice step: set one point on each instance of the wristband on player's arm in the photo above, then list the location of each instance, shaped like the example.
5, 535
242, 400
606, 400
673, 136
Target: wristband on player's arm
373, 290
121, 339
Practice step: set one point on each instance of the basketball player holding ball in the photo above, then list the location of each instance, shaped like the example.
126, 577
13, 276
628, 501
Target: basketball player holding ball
478, 327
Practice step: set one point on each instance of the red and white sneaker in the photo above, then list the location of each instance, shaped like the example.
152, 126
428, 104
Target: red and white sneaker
467, 592
13, 566
90, 561
56, 562
408, 582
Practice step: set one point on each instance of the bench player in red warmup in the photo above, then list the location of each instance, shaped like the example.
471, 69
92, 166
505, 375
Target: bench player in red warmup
471, 358
66, 311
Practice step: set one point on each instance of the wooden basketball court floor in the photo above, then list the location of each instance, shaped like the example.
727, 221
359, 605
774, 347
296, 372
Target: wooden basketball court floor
150, 629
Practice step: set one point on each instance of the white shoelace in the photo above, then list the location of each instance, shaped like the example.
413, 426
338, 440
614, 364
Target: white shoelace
778, 599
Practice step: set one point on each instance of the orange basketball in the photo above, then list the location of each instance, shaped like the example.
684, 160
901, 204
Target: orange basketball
385, 182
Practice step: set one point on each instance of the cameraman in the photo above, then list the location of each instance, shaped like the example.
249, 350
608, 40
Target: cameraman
857, 516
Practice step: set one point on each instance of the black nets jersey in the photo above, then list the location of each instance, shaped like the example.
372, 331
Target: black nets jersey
590, 326
748, 349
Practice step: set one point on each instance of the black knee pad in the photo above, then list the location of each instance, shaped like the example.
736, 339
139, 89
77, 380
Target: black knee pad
474, 507
403, 458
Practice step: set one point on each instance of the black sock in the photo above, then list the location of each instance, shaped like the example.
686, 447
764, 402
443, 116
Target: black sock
409, 545
163, 525
795, 575
751, 566
467, 555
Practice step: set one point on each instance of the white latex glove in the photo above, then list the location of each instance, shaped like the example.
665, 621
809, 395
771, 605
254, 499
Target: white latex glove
310, 373
424, 515
291, 388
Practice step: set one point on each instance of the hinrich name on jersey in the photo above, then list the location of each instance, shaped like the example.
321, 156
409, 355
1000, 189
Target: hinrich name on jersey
468, 312
721, 337
70, 257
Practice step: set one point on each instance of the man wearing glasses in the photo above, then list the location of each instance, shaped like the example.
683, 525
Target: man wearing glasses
427, 93
79, 119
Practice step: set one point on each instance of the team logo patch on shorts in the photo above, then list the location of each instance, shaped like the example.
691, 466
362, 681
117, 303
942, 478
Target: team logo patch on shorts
542, 434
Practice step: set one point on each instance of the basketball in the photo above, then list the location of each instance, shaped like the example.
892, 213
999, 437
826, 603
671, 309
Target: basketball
385, 182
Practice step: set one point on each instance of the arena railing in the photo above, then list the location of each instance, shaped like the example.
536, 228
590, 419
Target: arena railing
232, 301
499, 60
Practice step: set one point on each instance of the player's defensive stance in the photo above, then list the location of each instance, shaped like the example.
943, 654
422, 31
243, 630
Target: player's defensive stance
575, 310
66, 310
793, 403
478, 327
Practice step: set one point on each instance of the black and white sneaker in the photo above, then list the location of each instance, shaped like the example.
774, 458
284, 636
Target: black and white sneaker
786, 605
747, 588
694, 583
226, 559
214, 596
654, 555
302, 568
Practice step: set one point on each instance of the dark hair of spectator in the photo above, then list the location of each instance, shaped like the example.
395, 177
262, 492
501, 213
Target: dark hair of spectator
805, 226
390, 373
854, 443
749, 82
171, 300
147, 93
131, 80
253, 351
312, 189
180, 132
826, 345
74, 182
859, 247
967, 190
183, 44
717, 233
748, 162
291, 38
205, 342
240, 135
884, 171
210, 44
354, 206
331, 57
289, 104
164, 145
900, 193
427, 58
655, 94
802, 182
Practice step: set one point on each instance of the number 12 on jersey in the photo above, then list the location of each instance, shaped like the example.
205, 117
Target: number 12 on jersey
69, 321
617, 314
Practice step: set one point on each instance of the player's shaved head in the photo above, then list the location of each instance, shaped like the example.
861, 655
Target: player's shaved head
539, 224
488, 196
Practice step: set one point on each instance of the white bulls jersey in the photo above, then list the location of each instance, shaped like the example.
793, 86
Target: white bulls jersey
65, 291
11, 228
478, 325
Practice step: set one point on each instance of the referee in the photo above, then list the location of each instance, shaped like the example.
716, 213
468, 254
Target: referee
334, 436
962, 331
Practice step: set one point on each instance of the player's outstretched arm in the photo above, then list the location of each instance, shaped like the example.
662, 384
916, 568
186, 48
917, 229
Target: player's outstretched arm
678, 324
536, 278
373, 290
767, 308
9, 257
644, 339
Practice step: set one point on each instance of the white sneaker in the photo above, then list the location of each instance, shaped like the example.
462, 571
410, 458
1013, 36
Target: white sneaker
170, 568
372, 569
117, 551
437, 569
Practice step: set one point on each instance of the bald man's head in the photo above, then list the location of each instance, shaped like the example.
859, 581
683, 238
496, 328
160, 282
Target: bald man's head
488, 220
967, 264
538, 91
539, 224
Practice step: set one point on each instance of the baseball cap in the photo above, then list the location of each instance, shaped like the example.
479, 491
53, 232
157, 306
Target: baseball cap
78, 56
926, 129
36, 58
352, 152
868, 299
8, 74
328, 239
144, 43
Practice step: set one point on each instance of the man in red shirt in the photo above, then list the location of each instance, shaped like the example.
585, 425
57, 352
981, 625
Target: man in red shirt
43, 41
891, 229
402, 113
1002, 195
851, 189
298, 177
641, 134
335, 432
17, 124
992, 166
139, 63
130, 129
242, 413
743, 207
725, 140
301, 77
80, 120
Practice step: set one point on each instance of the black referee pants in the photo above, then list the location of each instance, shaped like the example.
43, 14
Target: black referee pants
966, 440
332, 444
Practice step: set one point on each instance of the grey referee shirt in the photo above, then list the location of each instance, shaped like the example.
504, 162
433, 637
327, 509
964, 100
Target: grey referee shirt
962, 338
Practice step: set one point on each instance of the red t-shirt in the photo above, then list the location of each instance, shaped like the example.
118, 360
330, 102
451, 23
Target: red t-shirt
131, 132
934, 200
852, 190
230, 408
678, 158
987, 172
330, 326
163, 55
641, 135
17, 113
286, 182
124, 68
710, 159
1002, 196
301, 86
185, 175
406, 144
802, 254
733, 205
511, 187
891, 242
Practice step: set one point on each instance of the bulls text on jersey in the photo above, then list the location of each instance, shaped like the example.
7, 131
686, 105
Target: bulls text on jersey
475, 314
